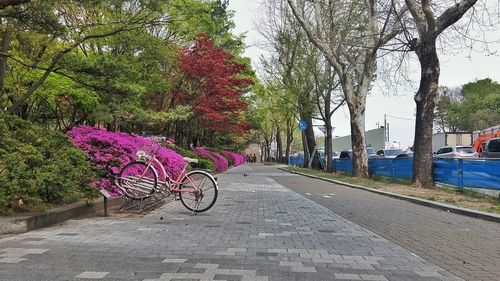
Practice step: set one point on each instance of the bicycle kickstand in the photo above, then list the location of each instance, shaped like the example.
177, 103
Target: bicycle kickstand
195, 208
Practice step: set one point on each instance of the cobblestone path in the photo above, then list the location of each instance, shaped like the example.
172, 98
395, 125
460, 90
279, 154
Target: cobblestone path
258, 230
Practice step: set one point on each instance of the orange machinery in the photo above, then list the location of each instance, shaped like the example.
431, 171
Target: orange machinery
484, 136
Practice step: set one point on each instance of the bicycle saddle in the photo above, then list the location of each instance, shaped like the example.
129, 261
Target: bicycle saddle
190, 160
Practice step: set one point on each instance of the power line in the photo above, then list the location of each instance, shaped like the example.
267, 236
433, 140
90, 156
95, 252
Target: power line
402, 118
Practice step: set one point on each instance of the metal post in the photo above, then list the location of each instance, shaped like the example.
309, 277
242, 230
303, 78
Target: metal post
460, 174
386, 129
105, 206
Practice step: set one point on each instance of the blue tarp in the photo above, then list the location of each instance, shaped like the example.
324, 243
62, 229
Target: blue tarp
299, 160
446, 171
475, 173
296, 161
342, 166
479, 173
393, 168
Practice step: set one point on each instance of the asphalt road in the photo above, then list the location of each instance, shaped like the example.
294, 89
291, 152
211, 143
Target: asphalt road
464, 246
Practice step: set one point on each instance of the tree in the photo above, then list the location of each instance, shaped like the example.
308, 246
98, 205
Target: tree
476, 107
293, 65
444, 119
74, 24
349, 36
116, 64
328, 100
212, 87
427, 23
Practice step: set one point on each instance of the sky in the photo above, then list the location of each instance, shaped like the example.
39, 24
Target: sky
398, 106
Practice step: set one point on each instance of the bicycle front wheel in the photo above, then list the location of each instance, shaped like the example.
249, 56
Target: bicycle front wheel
138, 180
198, 191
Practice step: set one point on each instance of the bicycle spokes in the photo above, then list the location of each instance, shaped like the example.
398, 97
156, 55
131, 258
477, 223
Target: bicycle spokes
198, 191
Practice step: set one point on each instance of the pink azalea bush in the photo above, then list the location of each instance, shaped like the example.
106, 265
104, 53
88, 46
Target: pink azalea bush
110, 151
238, 159
219, 160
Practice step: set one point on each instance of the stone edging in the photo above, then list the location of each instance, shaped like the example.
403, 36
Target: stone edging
28, 222
450, 208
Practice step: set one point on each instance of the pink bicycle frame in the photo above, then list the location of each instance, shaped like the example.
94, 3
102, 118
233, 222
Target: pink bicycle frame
166, 180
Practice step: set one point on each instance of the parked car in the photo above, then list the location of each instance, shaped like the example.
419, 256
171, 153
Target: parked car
405, 155
491, 149
370, 152
388, 153
346, 154
456, 151
322, 154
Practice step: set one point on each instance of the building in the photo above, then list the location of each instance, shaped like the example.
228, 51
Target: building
374, 138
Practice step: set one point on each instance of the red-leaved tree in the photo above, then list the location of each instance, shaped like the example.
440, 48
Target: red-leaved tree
212, 86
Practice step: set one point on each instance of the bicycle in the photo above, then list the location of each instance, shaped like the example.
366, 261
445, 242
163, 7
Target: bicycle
139, 180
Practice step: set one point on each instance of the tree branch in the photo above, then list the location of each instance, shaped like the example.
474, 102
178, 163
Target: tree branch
429, 16
418, 15
453, 14
315, 39
7, 3
55, 61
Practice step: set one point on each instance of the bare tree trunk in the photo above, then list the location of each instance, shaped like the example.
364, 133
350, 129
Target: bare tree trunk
328, 147
267, 153
360, 156
311, 142
289, 138
305, 148
279, 145
425, 100
3, 62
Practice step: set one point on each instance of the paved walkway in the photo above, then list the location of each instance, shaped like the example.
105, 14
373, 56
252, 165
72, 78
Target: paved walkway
258, 230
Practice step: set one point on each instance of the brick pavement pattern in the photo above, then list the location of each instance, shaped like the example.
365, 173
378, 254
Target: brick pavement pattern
465, 246
258, 230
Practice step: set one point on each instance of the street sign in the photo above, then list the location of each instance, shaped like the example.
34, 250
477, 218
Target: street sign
302, 125
105, 193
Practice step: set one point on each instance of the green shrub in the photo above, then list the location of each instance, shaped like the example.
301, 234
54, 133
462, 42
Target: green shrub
39, 167
203, 163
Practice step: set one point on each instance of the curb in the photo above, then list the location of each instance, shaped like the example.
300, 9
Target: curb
450, 208
32, 221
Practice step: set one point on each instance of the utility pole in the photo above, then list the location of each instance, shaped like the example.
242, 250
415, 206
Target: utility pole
386, 128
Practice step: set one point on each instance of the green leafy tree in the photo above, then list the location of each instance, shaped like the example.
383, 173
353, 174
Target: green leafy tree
478, 107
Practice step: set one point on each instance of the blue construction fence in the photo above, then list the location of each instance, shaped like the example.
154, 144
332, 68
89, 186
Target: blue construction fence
298, 160
474, 173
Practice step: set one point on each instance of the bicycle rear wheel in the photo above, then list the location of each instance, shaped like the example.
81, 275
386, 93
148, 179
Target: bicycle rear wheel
198, 191
138, 180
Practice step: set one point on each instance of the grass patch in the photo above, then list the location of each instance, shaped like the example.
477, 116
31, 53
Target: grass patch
375, 182
466, 198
